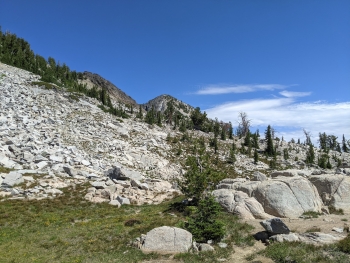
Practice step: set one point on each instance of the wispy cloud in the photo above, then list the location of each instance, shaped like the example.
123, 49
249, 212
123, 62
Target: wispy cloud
291, 94
225, 89
288, 116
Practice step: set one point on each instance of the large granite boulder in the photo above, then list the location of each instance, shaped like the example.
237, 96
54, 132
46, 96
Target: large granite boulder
275, 226
12, 179
288, 196
334, 189
167, 239
240, 204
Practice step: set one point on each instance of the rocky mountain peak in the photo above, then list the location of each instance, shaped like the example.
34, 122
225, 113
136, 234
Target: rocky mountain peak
162, 102
116, 94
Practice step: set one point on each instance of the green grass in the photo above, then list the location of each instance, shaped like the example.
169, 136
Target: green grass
304, 253
45, 84
311, 214
5, 170
70, 229
333, 210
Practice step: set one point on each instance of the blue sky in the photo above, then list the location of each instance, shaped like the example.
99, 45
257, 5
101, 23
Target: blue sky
284, 63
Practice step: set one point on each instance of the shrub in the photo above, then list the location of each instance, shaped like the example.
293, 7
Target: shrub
311, 214
344, 245
333, 210
132, 222
204, 224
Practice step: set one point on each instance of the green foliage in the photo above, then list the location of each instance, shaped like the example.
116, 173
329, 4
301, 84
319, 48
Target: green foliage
256, 157
71, 229
5, 170
204, 224
44, 84
214, 143
323, 161
223, 133
231, 157
199, 177
285, 154
311, 214
333, 210
198, 118
230, 131
303, 253
268, 137
345, 147
344, 245
310, 155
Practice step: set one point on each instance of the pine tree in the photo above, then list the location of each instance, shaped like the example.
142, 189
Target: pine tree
268, 137
256, 157
247, 140
231, 157
344, 146
285, 154
230, 131
223, 133
310, 155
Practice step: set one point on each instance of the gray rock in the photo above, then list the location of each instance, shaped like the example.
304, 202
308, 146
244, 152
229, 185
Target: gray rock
222, 245
275, 226
69, 170
42, 165
338, 229
334, 189
205, 247
239, 203
115, 203
55, 158
98, 185
319, 238
167, 239
257, 176
12, 178
291, 237
123, 200
288, 196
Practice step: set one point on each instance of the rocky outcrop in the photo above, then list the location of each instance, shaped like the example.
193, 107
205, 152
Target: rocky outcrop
167, 239
281, 197
275, 226
116, 94
288, 196
160, 103
240, 204
334, 189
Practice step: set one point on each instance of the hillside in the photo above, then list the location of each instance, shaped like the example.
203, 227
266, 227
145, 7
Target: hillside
117, 95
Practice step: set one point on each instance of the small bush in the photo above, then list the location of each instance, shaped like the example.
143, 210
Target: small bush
204, 224
45, 84
313, 229
132, 222
344, 245
333, 210
5, 170
311, 214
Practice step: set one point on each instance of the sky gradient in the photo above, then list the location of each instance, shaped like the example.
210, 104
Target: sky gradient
284, 63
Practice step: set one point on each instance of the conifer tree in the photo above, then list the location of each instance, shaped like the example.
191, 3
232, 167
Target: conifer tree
344, 146
256, 156
310, 155
223, 133
268, 137
230, 131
